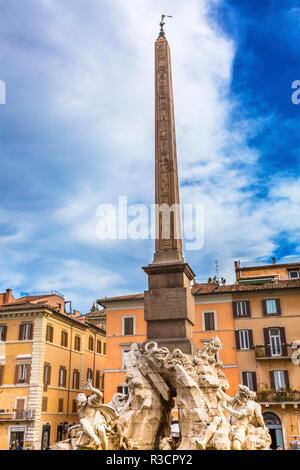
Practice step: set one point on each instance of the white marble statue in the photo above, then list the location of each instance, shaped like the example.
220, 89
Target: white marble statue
157, 381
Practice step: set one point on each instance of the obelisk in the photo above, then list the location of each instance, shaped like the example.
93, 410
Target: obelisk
169, 304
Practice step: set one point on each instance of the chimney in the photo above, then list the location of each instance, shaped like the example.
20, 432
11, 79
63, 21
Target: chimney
274, 261
76, 313
8, 298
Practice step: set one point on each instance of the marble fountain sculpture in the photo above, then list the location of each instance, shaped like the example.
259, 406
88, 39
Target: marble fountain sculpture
142, 419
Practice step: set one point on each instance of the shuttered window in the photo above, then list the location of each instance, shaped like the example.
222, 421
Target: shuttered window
271, 307
98, 376
209, 321
74, 406
104, 348
64, 339
279, 380
60, 405
99, 347
26, 331
3, 332
89, 374
91, 343
1, 374
76, 379
244, 339
22, 374
49, 333
62, 377
128, 326
44, 404
249, 379
241, 309
77, 343
47, 374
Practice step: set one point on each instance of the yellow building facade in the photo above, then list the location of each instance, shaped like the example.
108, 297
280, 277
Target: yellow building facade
45, 357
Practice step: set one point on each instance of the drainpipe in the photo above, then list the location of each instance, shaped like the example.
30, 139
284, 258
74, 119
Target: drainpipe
94, 372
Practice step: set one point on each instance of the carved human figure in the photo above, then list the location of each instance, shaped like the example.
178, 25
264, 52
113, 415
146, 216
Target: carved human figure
90, 417
245, 415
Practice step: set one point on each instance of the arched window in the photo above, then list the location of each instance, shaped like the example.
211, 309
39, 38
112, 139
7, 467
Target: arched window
273, 423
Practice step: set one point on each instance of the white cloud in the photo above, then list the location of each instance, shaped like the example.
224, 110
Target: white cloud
102, 80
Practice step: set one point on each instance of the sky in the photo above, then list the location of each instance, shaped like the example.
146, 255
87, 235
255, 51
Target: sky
77, 131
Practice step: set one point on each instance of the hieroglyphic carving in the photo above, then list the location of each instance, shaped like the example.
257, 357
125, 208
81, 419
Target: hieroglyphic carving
167, 191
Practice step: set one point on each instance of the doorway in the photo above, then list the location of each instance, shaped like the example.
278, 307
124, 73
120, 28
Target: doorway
274, 425
45, 437
16, 436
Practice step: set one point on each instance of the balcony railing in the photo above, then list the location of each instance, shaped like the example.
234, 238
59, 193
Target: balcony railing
266, 352
17, 415
283, 396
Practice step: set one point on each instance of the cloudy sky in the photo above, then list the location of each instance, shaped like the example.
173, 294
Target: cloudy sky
78, 131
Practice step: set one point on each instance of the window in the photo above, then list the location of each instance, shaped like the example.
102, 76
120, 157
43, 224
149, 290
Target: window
275, 342
99, 347
241, 309
128, 326
44, 404
293, 274
62, 377
1, 374
279, 380
123, 389
47, 374
91, 343
209, 321
76, 379
104, 348
25, 331
124, 351
77, 343
249, 379
3, 330
271, 307
49, 333
98, 377
244, 339
22, 373
74, 406
64, 339
89, 375
60, 405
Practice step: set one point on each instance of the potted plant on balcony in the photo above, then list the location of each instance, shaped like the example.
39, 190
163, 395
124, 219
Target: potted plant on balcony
263, 392
260, 350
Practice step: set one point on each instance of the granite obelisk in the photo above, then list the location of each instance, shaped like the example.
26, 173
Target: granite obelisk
169, 304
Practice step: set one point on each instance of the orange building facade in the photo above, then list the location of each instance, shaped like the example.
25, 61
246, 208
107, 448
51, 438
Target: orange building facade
45, 357
259, 344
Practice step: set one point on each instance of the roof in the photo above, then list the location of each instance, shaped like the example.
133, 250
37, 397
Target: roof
210, 289
27, 305
121, 298
94, 314
269, 266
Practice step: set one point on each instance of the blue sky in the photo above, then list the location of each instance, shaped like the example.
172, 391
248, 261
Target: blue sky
78, 127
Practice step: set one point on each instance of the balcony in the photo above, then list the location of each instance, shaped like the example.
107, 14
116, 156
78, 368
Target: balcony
282, 397
267, 353
16, 415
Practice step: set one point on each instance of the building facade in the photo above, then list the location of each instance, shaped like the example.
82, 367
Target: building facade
258, 323
45, 357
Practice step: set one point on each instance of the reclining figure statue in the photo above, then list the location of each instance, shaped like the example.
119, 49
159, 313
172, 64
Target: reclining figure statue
95, 422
